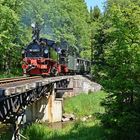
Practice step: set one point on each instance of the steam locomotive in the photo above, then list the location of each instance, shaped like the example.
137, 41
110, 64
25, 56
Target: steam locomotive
49, 58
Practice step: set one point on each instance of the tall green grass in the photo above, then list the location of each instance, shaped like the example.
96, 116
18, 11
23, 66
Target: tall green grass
85, 104
77, 131
5, 132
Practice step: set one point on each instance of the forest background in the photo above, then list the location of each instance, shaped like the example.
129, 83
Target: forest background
111, 39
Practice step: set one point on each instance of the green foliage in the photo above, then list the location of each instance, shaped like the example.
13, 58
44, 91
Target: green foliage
118, 67
5, 136
95, 13
5, 132
83, 131
85, 104
97, 40
12, 35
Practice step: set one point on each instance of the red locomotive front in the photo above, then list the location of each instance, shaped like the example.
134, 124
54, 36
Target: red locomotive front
42, 58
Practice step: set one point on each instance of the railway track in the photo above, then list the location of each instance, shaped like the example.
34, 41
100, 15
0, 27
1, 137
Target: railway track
17, 79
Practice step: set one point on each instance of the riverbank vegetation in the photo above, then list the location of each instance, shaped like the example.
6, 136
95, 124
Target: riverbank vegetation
82, 105
79, 130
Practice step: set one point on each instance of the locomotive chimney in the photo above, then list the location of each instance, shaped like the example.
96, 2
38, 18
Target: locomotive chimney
35, 31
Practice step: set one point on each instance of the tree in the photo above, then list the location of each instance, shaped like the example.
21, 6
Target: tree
97, 39
12, 35
121, 74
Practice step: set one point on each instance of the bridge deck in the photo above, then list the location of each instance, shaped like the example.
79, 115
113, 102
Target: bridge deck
24, 86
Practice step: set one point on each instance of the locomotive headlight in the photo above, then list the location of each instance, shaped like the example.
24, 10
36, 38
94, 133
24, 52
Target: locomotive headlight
46, 51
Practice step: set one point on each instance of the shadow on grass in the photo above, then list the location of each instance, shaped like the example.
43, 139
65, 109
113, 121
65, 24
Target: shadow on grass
5, 132
83, 133
78, 132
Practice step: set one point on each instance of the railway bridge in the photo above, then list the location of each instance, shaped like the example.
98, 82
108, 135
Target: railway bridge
27, 99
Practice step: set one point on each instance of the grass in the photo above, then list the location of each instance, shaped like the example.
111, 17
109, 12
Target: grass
90, 130
5, 136
80, 105
85, 104
5, 132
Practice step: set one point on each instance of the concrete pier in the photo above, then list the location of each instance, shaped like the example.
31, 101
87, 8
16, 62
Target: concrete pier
38, 111
46, 109
49, 108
